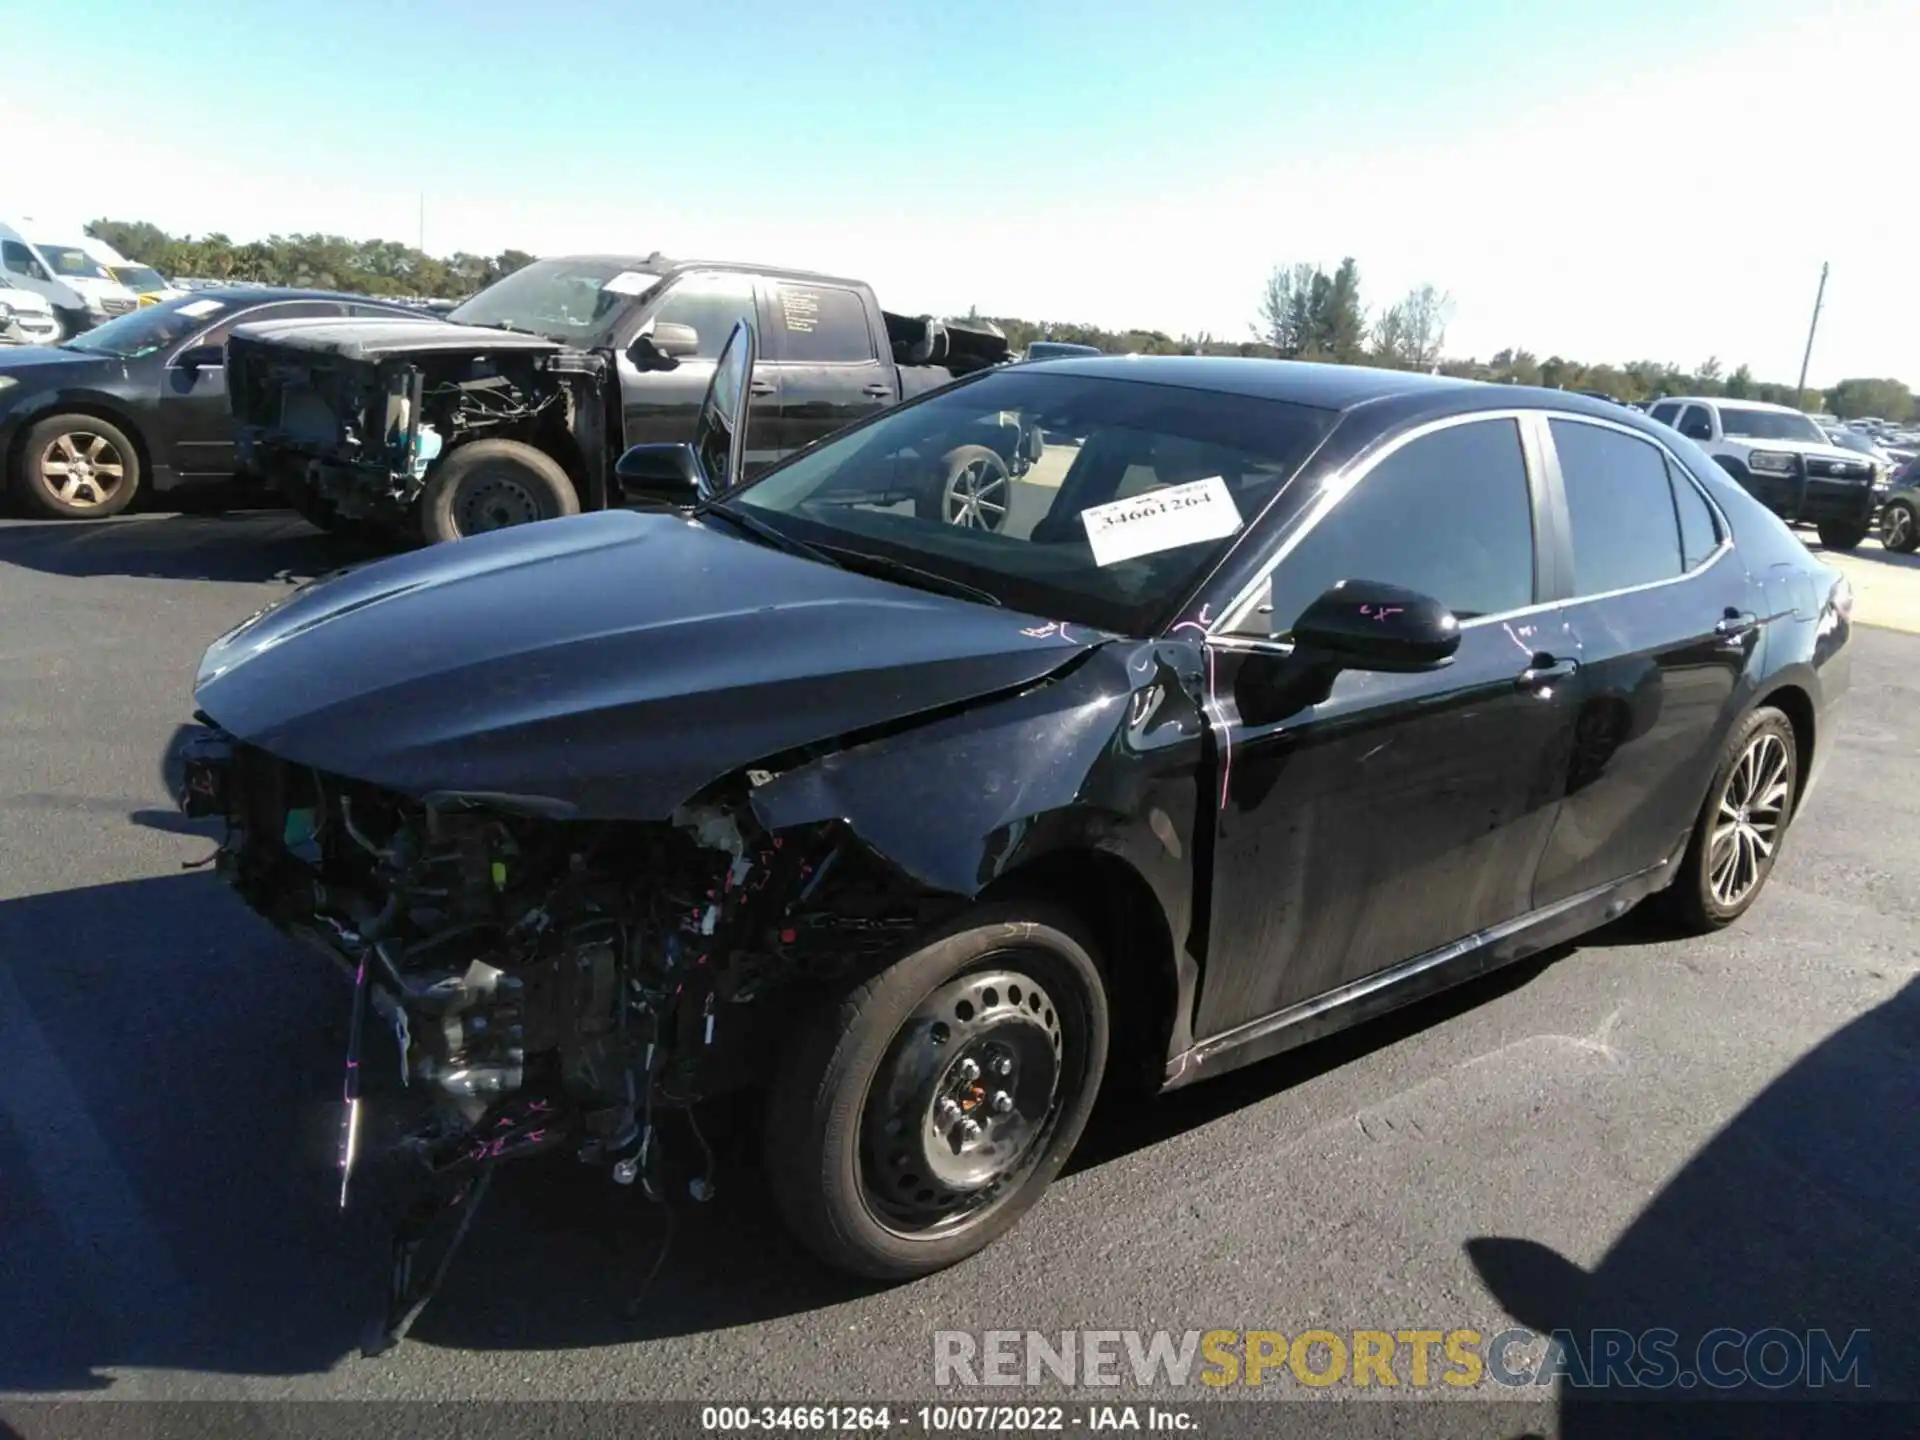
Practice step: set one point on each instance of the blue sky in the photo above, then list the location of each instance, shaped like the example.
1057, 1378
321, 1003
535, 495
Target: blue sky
1120, 162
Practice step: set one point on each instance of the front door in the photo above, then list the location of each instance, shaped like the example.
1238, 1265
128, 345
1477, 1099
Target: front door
1402, 812
1662, 629
822, 352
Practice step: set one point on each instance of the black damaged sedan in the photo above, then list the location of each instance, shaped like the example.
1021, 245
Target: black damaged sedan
1288, 695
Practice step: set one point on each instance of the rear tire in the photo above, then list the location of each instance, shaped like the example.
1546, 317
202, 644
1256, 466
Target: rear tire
1753, 790
1838, 536
490, 485
866, 1149
76, 467
1900, 527
972, 488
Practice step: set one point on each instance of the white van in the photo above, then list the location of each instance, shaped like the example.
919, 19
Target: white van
148, 285
78, 286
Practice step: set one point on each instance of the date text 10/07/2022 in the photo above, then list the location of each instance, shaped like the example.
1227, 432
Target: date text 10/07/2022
943, 1419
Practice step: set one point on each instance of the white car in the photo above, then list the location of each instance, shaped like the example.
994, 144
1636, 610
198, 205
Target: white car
1784, 461
26, 318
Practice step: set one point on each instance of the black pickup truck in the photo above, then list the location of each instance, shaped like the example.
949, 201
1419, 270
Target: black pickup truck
515, 407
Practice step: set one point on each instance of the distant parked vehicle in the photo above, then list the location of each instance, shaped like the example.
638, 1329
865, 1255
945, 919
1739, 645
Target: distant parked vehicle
1783, 460
76, 285
1058, 350
26, 317
1900, 513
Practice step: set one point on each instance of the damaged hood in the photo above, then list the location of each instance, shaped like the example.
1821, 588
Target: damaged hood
610, 665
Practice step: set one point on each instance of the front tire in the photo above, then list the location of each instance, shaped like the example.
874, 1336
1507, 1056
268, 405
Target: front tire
1900, 528
973, 488
1838, 535
1736, 839
915, 1122
490, 485
76, 467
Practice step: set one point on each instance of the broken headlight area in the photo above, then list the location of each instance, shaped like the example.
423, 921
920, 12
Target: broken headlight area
549, 983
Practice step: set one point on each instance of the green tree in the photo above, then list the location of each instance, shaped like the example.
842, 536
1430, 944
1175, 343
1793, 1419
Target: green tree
1888, 399
1740, 384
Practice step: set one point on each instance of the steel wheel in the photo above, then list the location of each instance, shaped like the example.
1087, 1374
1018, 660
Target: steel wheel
1897, 529
492, 500
83, 469
1752, 811
958, 1110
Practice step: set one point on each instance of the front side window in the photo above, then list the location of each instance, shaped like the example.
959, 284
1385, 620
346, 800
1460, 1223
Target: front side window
1447, 514
817, 325
711, 303
151, 328
19, 259
1695, 423
1620, 504
1739, 422
1111, 529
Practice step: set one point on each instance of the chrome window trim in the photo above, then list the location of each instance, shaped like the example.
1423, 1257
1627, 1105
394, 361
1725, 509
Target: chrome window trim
1527, 419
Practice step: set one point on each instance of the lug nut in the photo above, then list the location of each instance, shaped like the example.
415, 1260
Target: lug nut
1002, 1102
969, 1131
625, 1171
969, 1070
1003, 1065
948, 1112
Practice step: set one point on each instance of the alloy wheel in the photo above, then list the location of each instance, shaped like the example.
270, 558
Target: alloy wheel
977, 496
1751, 814
962, 1106
1896, 527
83, 469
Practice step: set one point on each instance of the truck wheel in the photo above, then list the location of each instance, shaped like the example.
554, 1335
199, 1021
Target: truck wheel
1841, 535
76, 467
974, 488
915, 1122
1900, 528
491, 484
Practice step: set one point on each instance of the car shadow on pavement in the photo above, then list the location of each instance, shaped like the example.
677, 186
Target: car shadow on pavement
248, 547
1801, 1215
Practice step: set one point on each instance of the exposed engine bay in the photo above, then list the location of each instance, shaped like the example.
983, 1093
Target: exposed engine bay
546, 984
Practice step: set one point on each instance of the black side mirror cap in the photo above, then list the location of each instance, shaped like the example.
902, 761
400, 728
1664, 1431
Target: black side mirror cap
661, 475
1369, 625
664, 346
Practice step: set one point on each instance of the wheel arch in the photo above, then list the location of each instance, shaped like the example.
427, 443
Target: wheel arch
1792, 700
1136, 950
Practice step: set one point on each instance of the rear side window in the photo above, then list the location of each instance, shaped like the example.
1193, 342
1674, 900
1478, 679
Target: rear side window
817, 325
1447, 515
1620, 505
1699, 532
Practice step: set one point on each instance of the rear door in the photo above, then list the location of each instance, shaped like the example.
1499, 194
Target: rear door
195, 426
821, 350
1662, 634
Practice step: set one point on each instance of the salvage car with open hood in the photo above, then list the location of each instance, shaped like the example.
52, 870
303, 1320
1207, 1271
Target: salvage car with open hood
1301, 692
515, 407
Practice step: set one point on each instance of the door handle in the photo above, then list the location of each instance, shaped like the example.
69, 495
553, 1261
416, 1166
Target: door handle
1736, 625
1544, 671
761, 387
878, 392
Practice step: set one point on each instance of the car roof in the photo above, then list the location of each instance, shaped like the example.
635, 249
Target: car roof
249, 294
1731, 400
666, 267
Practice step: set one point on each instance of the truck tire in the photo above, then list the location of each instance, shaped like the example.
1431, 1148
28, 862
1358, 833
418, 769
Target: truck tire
1842, 534
76, 467
996, 1027
972, 487
491, 484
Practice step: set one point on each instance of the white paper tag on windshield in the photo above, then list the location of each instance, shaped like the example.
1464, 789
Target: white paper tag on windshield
194, 309
631, 282
1161, 520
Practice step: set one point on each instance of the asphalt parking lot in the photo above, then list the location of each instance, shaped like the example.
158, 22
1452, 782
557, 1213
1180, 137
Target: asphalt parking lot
1634, 1131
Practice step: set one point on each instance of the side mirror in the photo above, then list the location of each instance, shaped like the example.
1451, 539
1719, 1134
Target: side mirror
664, 346
201, 357
661, 475
1367, 625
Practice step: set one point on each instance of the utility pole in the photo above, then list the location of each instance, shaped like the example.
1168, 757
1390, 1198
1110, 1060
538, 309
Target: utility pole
1807, 358
423, 223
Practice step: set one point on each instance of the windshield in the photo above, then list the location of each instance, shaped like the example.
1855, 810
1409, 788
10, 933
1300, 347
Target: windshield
141, 279
153, 327
1769, 425
566, 300
72, 260
1136, 492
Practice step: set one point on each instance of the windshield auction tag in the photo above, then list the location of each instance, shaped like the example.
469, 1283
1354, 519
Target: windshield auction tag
1161, 520
194, 309
631, 282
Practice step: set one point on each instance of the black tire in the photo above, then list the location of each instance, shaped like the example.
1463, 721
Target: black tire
852, 1064
972, 487
1842, 535
1900, 527
47, 484
1692, 900
491, 484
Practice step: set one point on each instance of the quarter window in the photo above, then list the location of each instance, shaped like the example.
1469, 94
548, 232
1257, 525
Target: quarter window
818, 325
1447, 515
1620, 504
711, 304
1699, 532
